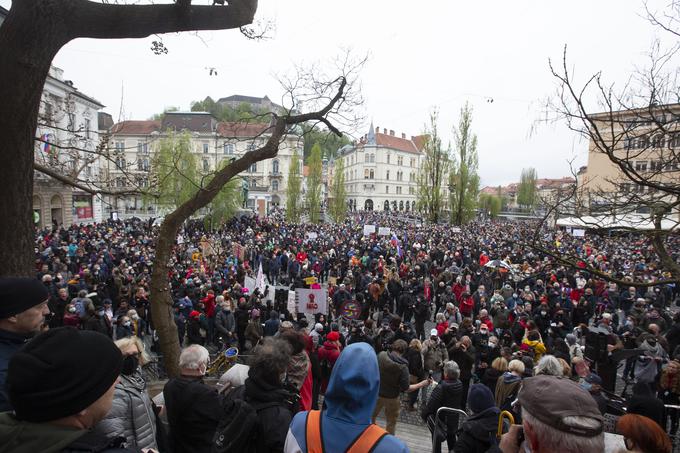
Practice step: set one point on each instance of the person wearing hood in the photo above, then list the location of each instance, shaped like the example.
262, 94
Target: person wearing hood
448, 393
348, 405
23, 307
478, 431
132, 414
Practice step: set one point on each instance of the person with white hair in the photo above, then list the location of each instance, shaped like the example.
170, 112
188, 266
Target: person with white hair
193, 407
548, 365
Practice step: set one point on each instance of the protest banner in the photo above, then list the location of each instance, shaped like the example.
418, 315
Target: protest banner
249, 282
292, 302
578, 233
384, 231
312, 301
369, 229
311, 235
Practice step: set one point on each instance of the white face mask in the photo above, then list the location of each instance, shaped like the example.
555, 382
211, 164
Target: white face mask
72, 309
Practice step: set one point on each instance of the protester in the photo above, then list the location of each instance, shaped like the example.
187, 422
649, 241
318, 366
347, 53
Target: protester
266, 391
193, 408
132, 414
61, 384
394, 379
448, 393
349, 403
557, 415
479, 431
643, 435
23, 307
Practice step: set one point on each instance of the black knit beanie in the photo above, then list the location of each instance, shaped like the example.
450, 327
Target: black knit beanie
18, 294
61, 372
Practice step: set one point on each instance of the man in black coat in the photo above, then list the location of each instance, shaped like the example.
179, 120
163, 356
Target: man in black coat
477, 432
448, 393
193, 408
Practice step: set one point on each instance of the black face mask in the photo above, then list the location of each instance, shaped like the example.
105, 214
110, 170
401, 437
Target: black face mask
130, 364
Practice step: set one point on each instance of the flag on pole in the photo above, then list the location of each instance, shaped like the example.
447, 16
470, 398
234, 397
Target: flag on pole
46, 144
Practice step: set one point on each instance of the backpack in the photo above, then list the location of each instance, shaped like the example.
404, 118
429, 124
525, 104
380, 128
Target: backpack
237, 431
366, 442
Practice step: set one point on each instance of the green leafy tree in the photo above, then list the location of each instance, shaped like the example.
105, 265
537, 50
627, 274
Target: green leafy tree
314, 184
174, 171
177, 178
433, 171
293, 190
329, 142
463, 177
243, 112
338, 198
526, 191
491, 204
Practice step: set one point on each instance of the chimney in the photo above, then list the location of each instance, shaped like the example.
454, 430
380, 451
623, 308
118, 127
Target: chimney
377, 130
403, 135
391, 132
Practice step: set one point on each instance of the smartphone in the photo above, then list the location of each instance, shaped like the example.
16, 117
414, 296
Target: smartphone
430, 374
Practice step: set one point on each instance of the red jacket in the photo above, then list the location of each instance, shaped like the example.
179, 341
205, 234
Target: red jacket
209, 302
467, 304
330, 352
306, 389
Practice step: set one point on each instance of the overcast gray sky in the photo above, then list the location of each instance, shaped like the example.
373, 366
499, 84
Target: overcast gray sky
422, 54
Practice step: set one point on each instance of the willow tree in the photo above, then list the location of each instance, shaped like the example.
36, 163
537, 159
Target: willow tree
432, 173
313, 195
338, 195
294, 190
31, 35
463, 177
526, 191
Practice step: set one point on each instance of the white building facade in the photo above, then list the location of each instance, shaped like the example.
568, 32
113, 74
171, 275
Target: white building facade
381, 171
133, 144
67, 143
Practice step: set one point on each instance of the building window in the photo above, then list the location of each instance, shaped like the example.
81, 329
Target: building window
398, 190
275, 166
275, 186
412, 190
251, 147
366, 173
387, 189
641, 165
206, 148
120, 162
253, 168
229, 148
655, 165
388, 158
413, 162
372, 158
400, 160
674, 141
387, 175
659, 141
72, 122
206, 165
120, 146
253, 183
371, 174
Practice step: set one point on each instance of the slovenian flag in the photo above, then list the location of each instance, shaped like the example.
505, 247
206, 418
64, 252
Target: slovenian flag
394, 240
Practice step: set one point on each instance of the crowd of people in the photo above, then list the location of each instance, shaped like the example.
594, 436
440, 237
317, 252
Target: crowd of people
419, 317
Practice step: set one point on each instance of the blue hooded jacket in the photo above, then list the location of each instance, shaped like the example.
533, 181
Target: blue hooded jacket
348, 406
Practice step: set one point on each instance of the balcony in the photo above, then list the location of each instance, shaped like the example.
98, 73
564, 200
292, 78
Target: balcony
275, 174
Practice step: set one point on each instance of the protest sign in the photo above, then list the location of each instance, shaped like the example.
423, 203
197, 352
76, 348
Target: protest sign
384, 231
292, 302
578, 233
369, 229
311, 301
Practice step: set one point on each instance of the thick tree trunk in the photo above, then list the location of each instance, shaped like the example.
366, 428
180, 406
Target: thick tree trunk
29, 40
